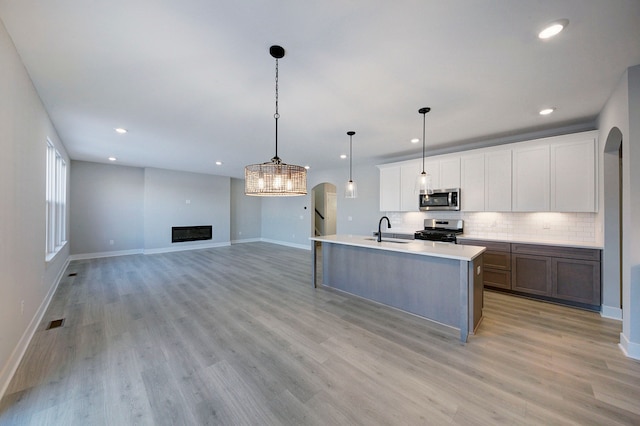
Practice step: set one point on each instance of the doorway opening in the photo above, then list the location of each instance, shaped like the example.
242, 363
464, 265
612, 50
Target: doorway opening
325, 208
612, 200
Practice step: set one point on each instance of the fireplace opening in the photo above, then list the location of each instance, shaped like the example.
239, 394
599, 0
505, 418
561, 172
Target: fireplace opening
180, 234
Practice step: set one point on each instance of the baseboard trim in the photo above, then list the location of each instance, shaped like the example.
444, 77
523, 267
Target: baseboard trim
630, 349
98, 255
18, 352
246, 240
288, 244
611, 312
186, 248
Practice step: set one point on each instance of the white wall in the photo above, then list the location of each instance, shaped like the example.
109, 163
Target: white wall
25, 128
246, 214
107, 208
173, 198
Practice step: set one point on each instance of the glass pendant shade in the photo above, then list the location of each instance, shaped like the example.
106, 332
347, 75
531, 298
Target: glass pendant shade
275, 178
423, 184
351, 190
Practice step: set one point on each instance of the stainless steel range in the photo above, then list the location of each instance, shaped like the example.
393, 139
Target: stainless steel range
444, 230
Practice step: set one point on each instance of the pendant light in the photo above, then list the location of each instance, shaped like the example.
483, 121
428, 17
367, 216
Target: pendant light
350, 189
423, 181
275, 178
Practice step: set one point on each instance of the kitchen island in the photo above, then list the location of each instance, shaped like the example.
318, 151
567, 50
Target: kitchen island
441, 282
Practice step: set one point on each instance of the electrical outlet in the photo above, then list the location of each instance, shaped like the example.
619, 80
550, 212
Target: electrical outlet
239, 232
349, 218
110, 242
546, 226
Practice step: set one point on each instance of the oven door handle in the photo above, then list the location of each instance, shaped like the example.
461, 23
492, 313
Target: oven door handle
450, 198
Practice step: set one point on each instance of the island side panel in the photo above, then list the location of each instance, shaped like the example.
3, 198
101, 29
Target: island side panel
476, 288
423, 285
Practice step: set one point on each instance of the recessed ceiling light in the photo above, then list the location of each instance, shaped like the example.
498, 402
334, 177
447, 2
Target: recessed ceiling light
415, 140
546, 111
307, 167
343, 156
112, 158
120, 130
553, 29
218, 163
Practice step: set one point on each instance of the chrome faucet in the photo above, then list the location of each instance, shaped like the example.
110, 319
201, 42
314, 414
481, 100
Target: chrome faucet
380, 225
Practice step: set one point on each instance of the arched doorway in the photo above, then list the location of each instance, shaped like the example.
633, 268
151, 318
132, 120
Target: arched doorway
612, 204
324, 209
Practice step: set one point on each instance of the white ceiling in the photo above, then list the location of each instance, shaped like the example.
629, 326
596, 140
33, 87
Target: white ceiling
193, 81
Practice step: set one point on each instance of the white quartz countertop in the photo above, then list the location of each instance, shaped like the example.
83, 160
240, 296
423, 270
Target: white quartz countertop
561, 243
416, 247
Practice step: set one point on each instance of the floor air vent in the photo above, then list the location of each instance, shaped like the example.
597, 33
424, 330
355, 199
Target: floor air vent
55, 323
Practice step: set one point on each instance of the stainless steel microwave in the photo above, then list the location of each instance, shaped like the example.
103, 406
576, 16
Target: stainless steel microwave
440, 200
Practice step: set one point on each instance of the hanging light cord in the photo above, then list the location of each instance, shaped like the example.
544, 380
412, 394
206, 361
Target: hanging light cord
276, 159
424, 121
424, 112
350, 156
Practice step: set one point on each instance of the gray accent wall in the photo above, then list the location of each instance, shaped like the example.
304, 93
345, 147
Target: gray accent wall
173, 198
246, 213
107, 208
28, 281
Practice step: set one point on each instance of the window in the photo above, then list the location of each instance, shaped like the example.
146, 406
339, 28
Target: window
56, 206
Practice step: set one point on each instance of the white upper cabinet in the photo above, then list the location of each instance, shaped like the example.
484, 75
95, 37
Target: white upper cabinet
390, 188
497, 178
551, 174
449, 172
432, 167
573, 175
472, 187
531, 178
409, 172
486, 181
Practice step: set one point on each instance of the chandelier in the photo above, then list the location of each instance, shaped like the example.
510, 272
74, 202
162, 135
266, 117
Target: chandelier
275, 178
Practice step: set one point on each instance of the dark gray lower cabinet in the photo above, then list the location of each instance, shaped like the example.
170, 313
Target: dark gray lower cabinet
576, 280
561, 274
531, 274
497, 262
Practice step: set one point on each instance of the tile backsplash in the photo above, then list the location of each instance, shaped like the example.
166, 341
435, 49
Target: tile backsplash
580, 227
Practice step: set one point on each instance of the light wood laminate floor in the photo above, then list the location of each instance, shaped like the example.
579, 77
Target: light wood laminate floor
237, 336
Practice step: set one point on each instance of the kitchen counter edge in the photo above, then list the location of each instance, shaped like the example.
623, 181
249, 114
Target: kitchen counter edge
415, 247
556, 243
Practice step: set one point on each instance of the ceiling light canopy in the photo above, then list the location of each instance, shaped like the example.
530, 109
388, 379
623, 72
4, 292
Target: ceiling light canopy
120, 130
350, 189
423, 181
546, 111
553, 29
275, 178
